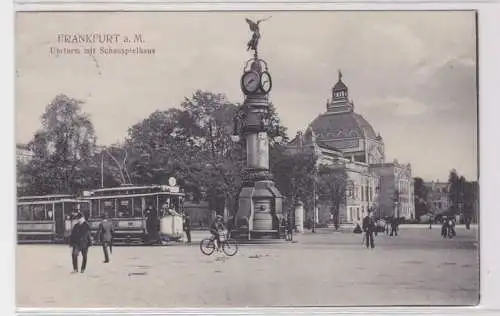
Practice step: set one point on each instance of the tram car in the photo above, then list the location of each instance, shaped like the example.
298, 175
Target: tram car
47, 218
126, 208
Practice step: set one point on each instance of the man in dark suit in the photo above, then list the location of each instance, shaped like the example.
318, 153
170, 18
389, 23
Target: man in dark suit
150, 214
80, 240
187, 227
369, 227
105, 235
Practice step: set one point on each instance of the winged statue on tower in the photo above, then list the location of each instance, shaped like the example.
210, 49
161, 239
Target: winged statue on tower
254, 27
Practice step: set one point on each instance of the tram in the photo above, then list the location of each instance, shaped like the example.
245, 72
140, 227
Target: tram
126, 206
50, 218
47, 219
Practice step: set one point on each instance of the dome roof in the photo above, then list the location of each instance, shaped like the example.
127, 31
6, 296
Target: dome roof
332, 127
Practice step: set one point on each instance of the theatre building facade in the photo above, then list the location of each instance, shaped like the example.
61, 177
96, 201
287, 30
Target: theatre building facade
340, 137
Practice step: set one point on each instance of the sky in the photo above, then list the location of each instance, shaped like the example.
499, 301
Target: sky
412, 75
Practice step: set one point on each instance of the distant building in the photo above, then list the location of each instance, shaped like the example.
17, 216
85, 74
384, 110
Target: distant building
396, 195
23, 153
437, 196
340, 137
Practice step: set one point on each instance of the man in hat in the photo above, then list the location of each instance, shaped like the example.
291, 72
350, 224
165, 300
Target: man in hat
216, 228
394, 226
80, 240
369, 227
187, 227
150, 214
105, 235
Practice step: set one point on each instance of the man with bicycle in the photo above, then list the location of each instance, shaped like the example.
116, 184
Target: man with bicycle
216, 228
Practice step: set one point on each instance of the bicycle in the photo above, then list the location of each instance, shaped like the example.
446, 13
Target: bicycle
228, 245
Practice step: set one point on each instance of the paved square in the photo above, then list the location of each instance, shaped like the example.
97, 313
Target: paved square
322, 269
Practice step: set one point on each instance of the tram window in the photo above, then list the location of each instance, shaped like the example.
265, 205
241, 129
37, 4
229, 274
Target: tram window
94, 210
164, 200
138, 207
150, 201
163, 204
69, 210
174, 203
58, 211
38, 212
108, 206
49, 214
24, 213
85, 209
125, 208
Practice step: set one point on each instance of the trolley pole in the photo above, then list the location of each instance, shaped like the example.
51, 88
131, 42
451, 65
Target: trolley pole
102, 168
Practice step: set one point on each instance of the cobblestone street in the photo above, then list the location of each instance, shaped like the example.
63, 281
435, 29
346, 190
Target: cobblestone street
321, 269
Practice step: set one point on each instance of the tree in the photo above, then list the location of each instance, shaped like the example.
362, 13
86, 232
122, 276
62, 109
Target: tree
63, 150
277, 129
456, 191
332, 186
193, 144
463, 195
471, 195
420, 195
210, 118
294, 176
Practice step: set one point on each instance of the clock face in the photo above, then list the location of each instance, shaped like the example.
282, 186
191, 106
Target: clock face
250, 82
265, 82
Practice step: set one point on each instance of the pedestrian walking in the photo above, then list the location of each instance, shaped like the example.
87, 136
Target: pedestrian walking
430, 222
290, 228
80, 241
444, 227
394, 226
387, 225
369, 227
187, 227
451, 225
105, 236
150, 215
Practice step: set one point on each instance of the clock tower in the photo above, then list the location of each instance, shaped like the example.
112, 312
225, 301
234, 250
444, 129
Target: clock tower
259, 203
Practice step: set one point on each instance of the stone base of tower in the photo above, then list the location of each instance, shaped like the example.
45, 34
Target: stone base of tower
259, 212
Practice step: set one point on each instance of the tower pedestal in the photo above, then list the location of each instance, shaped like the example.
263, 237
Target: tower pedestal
260, 208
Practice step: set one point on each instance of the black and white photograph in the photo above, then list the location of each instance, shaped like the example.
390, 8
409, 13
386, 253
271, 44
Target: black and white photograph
226, 159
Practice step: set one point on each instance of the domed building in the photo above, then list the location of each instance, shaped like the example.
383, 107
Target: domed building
343, 129
342, 137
